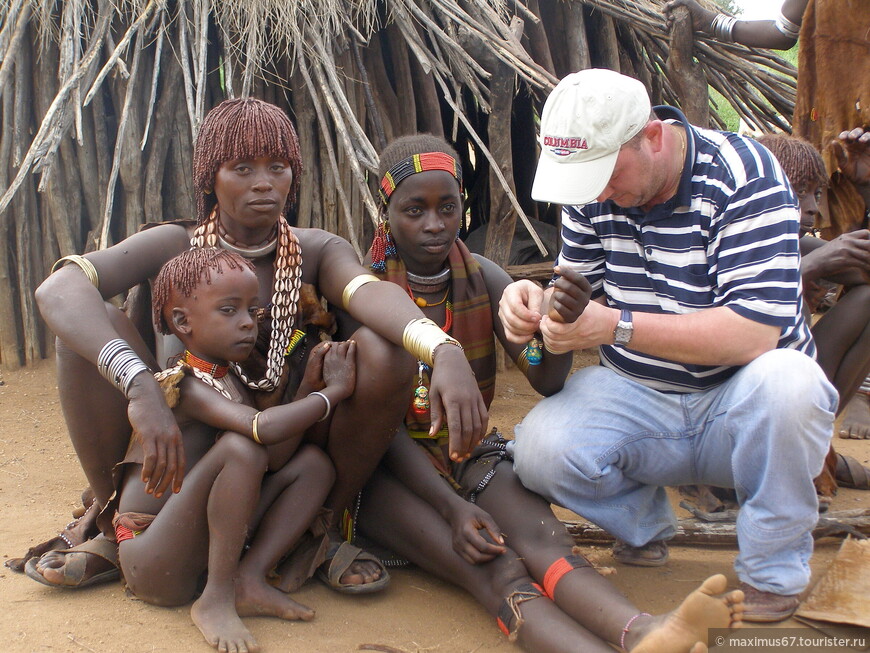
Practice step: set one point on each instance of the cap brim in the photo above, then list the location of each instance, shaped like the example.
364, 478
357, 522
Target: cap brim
574, 184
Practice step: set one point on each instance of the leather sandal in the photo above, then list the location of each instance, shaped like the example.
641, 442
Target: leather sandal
851, 473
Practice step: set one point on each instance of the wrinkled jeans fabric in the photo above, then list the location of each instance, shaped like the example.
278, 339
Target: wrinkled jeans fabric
606, 446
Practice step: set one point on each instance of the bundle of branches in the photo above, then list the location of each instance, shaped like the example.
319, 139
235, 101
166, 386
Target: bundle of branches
759, 84
101, 100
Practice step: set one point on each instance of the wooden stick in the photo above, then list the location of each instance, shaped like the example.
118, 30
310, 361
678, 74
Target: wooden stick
103, 241
45, 128
119, 50
152, 99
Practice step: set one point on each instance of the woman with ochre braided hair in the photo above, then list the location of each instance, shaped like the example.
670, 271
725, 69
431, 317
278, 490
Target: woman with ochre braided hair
472, 523
247, 171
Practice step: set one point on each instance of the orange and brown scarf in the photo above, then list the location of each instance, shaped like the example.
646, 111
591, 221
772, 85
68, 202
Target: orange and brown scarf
472, 324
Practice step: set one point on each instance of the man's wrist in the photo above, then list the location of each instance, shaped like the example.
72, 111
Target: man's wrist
624, 329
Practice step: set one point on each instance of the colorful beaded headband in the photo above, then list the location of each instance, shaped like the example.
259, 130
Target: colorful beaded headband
418, 163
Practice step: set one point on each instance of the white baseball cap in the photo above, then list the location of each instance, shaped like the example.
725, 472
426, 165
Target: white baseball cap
586, 119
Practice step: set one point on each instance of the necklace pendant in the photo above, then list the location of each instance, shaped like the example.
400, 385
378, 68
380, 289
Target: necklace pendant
420, 403
421, 400
419, 301
534, 353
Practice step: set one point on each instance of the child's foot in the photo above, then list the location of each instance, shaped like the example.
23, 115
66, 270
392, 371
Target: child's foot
220, 624
685, 629
855, 421
256, 598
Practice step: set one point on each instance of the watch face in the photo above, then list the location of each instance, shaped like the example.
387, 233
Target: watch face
623, 333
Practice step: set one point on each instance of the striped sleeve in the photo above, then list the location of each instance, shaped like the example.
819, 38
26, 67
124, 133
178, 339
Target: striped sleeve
755, 256
582, 249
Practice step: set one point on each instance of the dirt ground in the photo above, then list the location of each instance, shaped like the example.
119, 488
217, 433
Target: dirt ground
40, 482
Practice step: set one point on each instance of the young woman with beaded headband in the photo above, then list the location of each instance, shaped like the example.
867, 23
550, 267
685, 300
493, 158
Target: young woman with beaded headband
246, 173
473, 523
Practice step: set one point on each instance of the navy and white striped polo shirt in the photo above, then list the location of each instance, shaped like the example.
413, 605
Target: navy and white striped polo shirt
729, 237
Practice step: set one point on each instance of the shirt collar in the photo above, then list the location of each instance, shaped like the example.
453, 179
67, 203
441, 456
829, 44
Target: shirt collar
683, 197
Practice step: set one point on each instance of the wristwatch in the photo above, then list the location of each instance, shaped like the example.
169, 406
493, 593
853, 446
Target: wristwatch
624, 329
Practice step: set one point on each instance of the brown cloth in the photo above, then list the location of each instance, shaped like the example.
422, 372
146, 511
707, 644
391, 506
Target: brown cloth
833, 94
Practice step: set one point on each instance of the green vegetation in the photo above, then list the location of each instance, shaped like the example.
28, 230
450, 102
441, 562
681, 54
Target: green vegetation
727, 112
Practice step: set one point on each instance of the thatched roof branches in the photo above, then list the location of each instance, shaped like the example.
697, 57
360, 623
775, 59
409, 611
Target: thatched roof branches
104, 98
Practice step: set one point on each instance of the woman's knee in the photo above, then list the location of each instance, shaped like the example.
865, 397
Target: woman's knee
382, 367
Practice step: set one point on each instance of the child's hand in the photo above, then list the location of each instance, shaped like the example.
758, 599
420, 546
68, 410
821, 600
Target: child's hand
312, 380
571, 293
339, 367
476, 536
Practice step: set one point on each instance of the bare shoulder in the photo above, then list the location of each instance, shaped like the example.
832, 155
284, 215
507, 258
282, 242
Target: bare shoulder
490, 269
323, 253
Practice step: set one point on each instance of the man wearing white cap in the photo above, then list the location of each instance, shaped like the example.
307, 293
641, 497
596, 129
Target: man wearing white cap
686, 239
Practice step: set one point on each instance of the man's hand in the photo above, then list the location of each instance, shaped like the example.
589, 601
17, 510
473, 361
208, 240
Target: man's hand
701, 18
152, 419
469, 523
571, 294
453, 393
852, 149
519, 310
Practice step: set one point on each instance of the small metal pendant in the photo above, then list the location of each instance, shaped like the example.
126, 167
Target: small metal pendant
421, 393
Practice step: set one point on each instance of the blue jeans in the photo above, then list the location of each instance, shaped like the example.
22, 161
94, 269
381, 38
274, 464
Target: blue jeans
605, 447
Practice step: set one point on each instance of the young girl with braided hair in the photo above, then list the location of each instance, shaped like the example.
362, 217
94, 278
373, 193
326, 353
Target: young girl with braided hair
247, 171
234, 490
472, 523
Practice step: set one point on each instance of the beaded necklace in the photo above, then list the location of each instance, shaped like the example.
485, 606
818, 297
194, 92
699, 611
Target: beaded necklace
421, 393
225, 387
422, 303
212, 369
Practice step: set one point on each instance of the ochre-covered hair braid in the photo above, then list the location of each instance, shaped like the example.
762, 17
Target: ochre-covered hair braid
242, 129
799, 159
184, 274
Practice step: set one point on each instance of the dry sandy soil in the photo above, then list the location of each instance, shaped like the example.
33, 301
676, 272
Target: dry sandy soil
40, 482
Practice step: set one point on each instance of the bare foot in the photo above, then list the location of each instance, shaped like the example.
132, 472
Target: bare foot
256, 598
685, 629
855, 420
215, 615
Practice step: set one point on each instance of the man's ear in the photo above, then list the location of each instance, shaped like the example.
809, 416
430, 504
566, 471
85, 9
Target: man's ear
654, 132
180, 323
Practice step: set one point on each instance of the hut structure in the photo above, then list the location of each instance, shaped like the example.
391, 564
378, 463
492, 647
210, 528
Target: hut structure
100, 101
